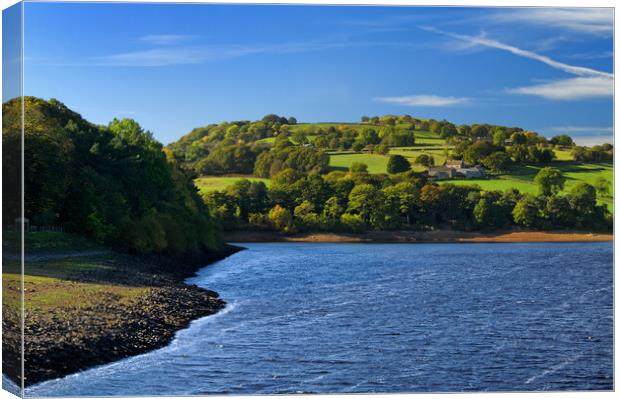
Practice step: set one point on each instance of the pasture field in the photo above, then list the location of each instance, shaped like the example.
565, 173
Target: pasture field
561, 155
426, 143
342, 161
423, 137
219, 183
411, 153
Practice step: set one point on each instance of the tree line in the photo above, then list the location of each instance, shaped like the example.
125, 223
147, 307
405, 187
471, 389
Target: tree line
356, 201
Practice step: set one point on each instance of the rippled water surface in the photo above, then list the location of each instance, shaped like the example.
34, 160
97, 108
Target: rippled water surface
385, 318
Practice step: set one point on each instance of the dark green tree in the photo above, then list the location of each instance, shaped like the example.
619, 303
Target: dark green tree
398, 164
550, 181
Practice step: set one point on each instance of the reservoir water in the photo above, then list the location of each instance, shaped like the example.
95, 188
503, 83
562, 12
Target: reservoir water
330, 318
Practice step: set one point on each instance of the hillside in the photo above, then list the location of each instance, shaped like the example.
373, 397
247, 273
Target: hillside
342, 155
381, 174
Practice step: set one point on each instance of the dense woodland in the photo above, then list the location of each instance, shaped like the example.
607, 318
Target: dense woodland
119, 186
114, 184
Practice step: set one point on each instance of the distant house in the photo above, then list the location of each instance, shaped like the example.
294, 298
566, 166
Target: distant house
456, 168
455, 163
370, 148
442, 172
474, 172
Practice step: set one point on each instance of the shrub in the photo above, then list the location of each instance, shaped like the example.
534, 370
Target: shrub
281, 219
352, 223
398, 164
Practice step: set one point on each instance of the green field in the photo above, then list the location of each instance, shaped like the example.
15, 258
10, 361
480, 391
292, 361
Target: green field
427, 138
218, 183
563, 155
411, 153
342, 161
426, 143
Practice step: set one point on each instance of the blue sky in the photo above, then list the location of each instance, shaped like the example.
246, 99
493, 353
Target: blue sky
173, 67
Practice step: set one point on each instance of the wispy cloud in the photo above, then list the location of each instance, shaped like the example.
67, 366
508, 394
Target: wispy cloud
156, 57
163, 40
598, 21
589, 83
592, 55
570, 89
425, 100
184, 55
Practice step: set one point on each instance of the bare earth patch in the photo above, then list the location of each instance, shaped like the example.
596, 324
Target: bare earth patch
437, 236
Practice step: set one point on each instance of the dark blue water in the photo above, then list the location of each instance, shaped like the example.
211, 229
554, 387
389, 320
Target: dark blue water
385, 318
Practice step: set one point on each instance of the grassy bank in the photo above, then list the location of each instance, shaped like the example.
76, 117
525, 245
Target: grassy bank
82, 310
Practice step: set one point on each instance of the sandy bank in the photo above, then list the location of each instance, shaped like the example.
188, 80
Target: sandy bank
437, 236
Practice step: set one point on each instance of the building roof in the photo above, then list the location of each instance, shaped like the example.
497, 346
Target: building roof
473, 169
455, 162
441, 169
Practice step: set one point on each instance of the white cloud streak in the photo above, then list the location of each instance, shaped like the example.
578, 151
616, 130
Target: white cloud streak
483, 41
424, 100
590, 83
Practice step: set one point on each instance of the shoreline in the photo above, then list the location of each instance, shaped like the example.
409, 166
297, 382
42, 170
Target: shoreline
421, 237
73, 338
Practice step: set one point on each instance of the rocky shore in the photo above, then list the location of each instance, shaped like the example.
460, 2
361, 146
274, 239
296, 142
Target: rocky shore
153, 304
